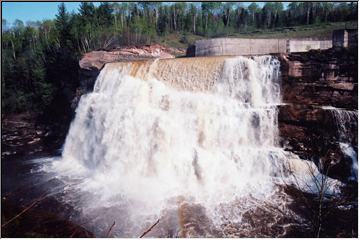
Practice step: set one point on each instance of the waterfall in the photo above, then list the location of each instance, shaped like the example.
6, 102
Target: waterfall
155, 134
349, 151
344, 119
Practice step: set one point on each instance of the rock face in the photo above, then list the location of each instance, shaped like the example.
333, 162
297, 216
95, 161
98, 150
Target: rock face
321, 78
320, 112
97, 59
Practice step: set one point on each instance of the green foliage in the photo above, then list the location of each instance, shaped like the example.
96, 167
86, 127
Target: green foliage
104, 14
63, 26
40, 59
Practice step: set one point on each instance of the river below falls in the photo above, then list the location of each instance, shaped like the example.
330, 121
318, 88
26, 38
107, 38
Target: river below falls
286, 213
182, 218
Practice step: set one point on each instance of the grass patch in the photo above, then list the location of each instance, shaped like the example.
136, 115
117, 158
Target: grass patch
318, 31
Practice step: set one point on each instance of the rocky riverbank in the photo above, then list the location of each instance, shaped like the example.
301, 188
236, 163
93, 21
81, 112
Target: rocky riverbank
24, 136
24, 214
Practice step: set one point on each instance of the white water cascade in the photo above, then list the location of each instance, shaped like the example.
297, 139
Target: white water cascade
155, 135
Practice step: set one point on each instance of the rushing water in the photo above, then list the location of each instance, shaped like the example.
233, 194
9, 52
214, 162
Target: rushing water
192, 143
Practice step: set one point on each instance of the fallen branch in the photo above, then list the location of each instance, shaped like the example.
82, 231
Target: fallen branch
109, 231
33, 204
147, 231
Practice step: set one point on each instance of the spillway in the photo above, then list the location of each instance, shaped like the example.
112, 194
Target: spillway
191, 142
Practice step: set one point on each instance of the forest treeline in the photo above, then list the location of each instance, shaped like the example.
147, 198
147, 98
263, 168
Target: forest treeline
40, 59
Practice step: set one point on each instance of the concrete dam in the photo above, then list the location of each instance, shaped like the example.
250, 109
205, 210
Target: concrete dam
242, 46
246, 46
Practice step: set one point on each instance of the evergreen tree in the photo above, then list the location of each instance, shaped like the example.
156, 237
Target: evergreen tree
62, 23
104, 14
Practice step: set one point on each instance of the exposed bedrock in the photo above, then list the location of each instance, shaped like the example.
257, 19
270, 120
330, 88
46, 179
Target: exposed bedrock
325, 78
319, 118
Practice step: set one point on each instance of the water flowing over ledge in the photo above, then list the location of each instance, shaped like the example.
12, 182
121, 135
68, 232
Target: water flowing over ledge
157, 139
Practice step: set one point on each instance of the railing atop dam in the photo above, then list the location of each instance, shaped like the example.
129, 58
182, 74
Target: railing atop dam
242, 46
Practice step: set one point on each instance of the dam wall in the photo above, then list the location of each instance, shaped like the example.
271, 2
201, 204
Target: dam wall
306, 45
237, 46
241, 46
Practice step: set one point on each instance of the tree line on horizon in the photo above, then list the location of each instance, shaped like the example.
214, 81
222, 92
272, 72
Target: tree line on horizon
40, 59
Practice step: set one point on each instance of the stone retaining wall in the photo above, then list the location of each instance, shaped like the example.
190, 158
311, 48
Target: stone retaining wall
242, 46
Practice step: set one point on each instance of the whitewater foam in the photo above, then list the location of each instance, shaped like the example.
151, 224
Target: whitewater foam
142, 143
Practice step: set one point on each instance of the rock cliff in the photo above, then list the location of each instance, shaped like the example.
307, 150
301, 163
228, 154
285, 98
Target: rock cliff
95, 60
320, 90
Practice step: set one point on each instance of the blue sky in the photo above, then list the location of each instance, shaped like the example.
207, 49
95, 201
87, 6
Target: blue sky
36, 11
33, 11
